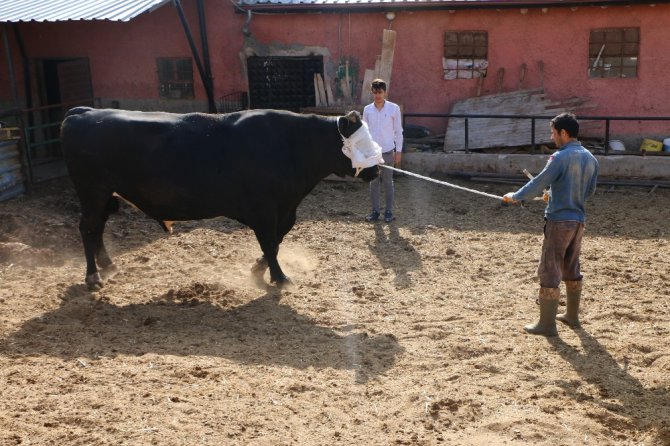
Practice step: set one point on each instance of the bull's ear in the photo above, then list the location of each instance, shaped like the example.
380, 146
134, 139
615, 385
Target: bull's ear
354, 117
342, 124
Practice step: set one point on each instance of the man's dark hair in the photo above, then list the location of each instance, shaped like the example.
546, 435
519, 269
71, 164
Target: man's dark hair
567, 122
378, 84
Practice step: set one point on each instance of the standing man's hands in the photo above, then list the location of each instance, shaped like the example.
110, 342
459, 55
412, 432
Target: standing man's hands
508, 198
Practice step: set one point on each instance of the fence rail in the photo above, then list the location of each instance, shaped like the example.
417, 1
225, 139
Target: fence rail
533, 119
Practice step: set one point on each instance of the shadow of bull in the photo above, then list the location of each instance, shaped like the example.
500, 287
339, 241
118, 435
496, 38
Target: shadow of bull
202, 320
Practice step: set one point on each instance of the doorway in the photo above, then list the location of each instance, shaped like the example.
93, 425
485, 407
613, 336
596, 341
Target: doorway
63, 83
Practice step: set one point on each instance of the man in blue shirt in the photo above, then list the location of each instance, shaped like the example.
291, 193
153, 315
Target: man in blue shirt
570, 174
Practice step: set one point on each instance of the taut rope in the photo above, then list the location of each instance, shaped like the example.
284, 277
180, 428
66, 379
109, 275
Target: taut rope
443, 183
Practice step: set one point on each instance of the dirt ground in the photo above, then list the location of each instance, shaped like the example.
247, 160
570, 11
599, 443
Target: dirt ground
405, 333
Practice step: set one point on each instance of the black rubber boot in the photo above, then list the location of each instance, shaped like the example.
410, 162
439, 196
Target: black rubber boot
546, 326
574, 294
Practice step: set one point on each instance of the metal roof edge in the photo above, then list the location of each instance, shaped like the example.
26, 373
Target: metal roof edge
15, 11
424, 5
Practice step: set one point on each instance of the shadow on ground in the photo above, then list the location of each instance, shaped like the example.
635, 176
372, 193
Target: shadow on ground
200, 320
627, 405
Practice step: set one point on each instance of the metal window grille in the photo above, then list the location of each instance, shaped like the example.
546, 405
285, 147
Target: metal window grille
465, 54
175, 77
283, 82
613, 52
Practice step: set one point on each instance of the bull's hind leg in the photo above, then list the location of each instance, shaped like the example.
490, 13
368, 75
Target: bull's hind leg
258, 268
94, 215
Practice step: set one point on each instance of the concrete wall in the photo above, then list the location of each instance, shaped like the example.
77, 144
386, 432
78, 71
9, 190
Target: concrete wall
611, 166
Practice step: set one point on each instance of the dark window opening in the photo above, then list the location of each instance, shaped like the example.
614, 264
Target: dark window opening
283, 82
613, 52
465, 54
175, 77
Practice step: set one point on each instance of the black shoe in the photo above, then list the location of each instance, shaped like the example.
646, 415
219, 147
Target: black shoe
388, 216
374, 216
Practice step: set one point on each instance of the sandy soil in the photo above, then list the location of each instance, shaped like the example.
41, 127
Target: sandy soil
408, 333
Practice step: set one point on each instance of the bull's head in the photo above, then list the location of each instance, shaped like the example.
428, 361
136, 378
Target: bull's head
347, 126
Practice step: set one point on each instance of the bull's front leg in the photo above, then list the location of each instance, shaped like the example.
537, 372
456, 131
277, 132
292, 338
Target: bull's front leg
258, 269
277, 276
270, 249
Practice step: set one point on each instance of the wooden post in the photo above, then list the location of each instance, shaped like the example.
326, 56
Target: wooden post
388, 48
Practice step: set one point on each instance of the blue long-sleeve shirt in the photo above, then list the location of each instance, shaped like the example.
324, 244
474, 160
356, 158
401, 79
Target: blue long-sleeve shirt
571, 175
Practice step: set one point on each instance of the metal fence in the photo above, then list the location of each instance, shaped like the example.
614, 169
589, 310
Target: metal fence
533, 118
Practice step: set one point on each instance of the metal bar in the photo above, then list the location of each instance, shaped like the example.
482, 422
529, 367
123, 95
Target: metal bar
62, 104
10, 67
205, 57
194, 51
28, 157
533, 119
43, 126
43, 143
581, 117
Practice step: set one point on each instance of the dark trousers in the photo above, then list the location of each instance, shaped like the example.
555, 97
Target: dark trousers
560, 253
385, 177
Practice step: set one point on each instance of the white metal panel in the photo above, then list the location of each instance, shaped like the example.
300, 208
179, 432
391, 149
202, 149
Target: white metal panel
62, 10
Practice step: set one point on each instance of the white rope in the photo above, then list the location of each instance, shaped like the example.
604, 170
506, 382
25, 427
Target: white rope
443, 183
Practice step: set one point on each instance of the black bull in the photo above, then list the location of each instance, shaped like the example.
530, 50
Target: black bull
254, 167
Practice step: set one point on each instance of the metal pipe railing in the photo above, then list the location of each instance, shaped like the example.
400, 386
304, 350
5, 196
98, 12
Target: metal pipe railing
533, 118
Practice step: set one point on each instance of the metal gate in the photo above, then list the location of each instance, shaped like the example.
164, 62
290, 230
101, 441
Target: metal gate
283, 82
64, 83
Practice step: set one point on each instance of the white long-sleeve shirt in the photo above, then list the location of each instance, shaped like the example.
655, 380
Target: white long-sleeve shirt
385, 125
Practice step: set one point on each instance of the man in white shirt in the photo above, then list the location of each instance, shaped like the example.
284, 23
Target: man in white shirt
385, 123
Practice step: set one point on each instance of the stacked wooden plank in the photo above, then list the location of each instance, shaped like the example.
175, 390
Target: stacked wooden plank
322, 92
505, 132
383, 66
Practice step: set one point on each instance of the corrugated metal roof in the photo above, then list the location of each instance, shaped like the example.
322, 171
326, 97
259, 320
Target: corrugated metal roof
61, 10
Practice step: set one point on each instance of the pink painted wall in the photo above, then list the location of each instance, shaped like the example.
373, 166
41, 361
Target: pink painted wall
556, 36
122, 55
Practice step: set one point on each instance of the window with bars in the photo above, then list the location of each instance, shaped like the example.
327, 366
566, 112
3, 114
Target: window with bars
465, 54
175, 77
613, 52
283, 82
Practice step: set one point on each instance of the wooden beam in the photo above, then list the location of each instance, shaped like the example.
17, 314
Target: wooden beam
388, 48
322, 89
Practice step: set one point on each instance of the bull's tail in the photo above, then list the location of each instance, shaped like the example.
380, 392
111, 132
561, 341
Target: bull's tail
112, 206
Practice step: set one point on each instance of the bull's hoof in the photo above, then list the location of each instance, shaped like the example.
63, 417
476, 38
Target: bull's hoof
109, 271
260, 266
94, 282
282, 281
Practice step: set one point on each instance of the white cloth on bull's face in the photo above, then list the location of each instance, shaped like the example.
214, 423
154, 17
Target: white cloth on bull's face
362, 149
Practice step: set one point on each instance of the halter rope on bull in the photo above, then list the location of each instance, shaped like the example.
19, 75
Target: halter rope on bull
365, 152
